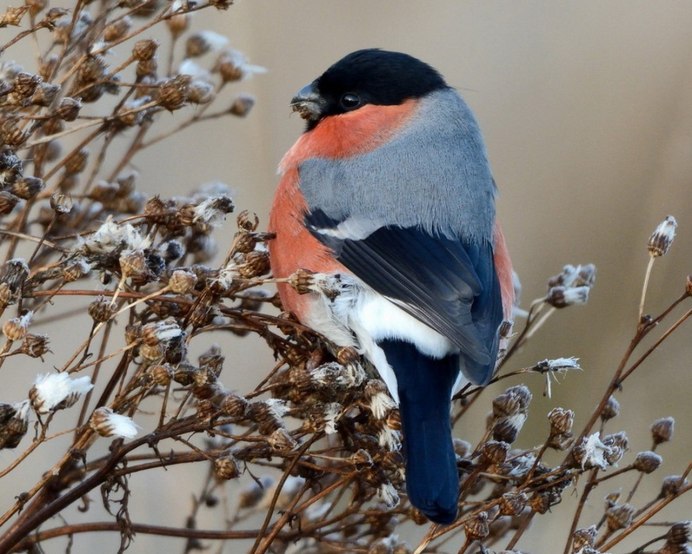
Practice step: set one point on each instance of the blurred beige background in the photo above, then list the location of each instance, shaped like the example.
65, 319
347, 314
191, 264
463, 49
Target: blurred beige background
586, 109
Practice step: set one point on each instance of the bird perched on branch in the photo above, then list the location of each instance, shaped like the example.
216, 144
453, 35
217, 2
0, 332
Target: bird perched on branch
389, 192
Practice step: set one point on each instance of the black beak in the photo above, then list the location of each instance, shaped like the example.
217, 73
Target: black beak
308, 103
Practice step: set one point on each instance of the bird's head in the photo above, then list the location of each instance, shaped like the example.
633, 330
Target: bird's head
370, 76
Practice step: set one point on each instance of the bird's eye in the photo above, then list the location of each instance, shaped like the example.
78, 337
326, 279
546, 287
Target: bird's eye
350, 101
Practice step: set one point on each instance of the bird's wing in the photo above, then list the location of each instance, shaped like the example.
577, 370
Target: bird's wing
449, 285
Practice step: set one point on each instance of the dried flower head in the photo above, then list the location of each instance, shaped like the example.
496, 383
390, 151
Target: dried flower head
16, 328
55, 391
226, 467
662, 430
202, 42
35, 346
510, 411
662, 237
647, 462
233, 66
619, 516
591, 452
611, 409
107, 423
14, 423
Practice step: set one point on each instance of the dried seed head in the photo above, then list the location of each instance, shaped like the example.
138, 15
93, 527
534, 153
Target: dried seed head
44, 94
476, 527
25, 85
256, 264
512, 503
182, 281
281, 440
61, 203
233, 66
245, 242
146, 70
56, 391
513, 401
16, 328
77, 162
102, 310
647, 462
591, 452
611, 409
14, 423
7, 202
172, 94
117, 30
619, 516
144, 50
109, 424
161, 374
672, 485
233, 405
200, 92
267, 415
561, 421
302, 281
662, 237
561, 297
27, 187
662, 430
494, 452
75, 269
226, 467
242, 105
35, 346
11, 134
69, 108
584, 537
212, 210
133, 264
202, 42
11, 168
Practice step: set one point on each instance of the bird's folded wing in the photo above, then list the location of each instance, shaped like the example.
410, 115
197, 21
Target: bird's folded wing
448, 284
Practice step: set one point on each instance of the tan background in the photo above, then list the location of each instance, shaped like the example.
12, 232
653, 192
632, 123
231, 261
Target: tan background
586, 109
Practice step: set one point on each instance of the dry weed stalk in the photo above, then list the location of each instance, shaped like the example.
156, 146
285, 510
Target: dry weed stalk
319, 428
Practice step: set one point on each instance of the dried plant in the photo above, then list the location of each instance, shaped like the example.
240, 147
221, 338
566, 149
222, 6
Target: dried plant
308, 460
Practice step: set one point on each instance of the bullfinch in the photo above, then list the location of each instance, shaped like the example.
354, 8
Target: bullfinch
389, 192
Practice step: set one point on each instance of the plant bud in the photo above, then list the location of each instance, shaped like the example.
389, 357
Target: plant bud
117, 30
662, 237
647, 462
226, 467
7, 202
69, 108
27, 187
242, 105
144, 50
662, 430
619, 516
476, 527
35, 346
101, 310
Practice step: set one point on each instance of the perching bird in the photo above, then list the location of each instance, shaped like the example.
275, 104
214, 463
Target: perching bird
390, 188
